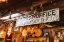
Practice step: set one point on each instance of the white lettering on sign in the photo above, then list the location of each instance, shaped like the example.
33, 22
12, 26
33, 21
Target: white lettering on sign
46, 16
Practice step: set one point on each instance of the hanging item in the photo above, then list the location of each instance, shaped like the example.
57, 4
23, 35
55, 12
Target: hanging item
9, 31
41, 26
2, 34
36, 32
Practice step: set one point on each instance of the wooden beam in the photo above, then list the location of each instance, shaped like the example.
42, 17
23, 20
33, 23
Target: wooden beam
59, 5
61, 8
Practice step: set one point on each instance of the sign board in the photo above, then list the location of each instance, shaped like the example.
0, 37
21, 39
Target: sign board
44, 17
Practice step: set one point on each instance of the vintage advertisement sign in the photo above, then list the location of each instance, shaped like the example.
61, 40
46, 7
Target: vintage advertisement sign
44, 17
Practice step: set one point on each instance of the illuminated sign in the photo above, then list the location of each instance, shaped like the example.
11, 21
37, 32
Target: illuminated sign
44, 17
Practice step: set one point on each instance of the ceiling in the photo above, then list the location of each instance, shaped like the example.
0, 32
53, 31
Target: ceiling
22, 5
12, 3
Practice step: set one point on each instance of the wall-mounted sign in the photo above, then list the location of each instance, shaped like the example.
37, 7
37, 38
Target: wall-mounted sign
44, 17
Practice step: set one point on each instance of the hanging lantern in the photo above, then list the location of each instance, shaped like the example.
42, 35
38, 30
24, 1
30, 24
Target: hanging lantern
9, 30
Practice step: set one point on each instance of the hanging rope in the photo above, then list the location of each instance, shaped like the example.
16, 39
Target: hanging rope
10, 15
41, 7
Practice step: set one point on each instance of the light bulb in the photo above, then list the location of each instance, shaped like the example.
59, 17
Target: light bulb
1, 32
0, 1
3, 0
